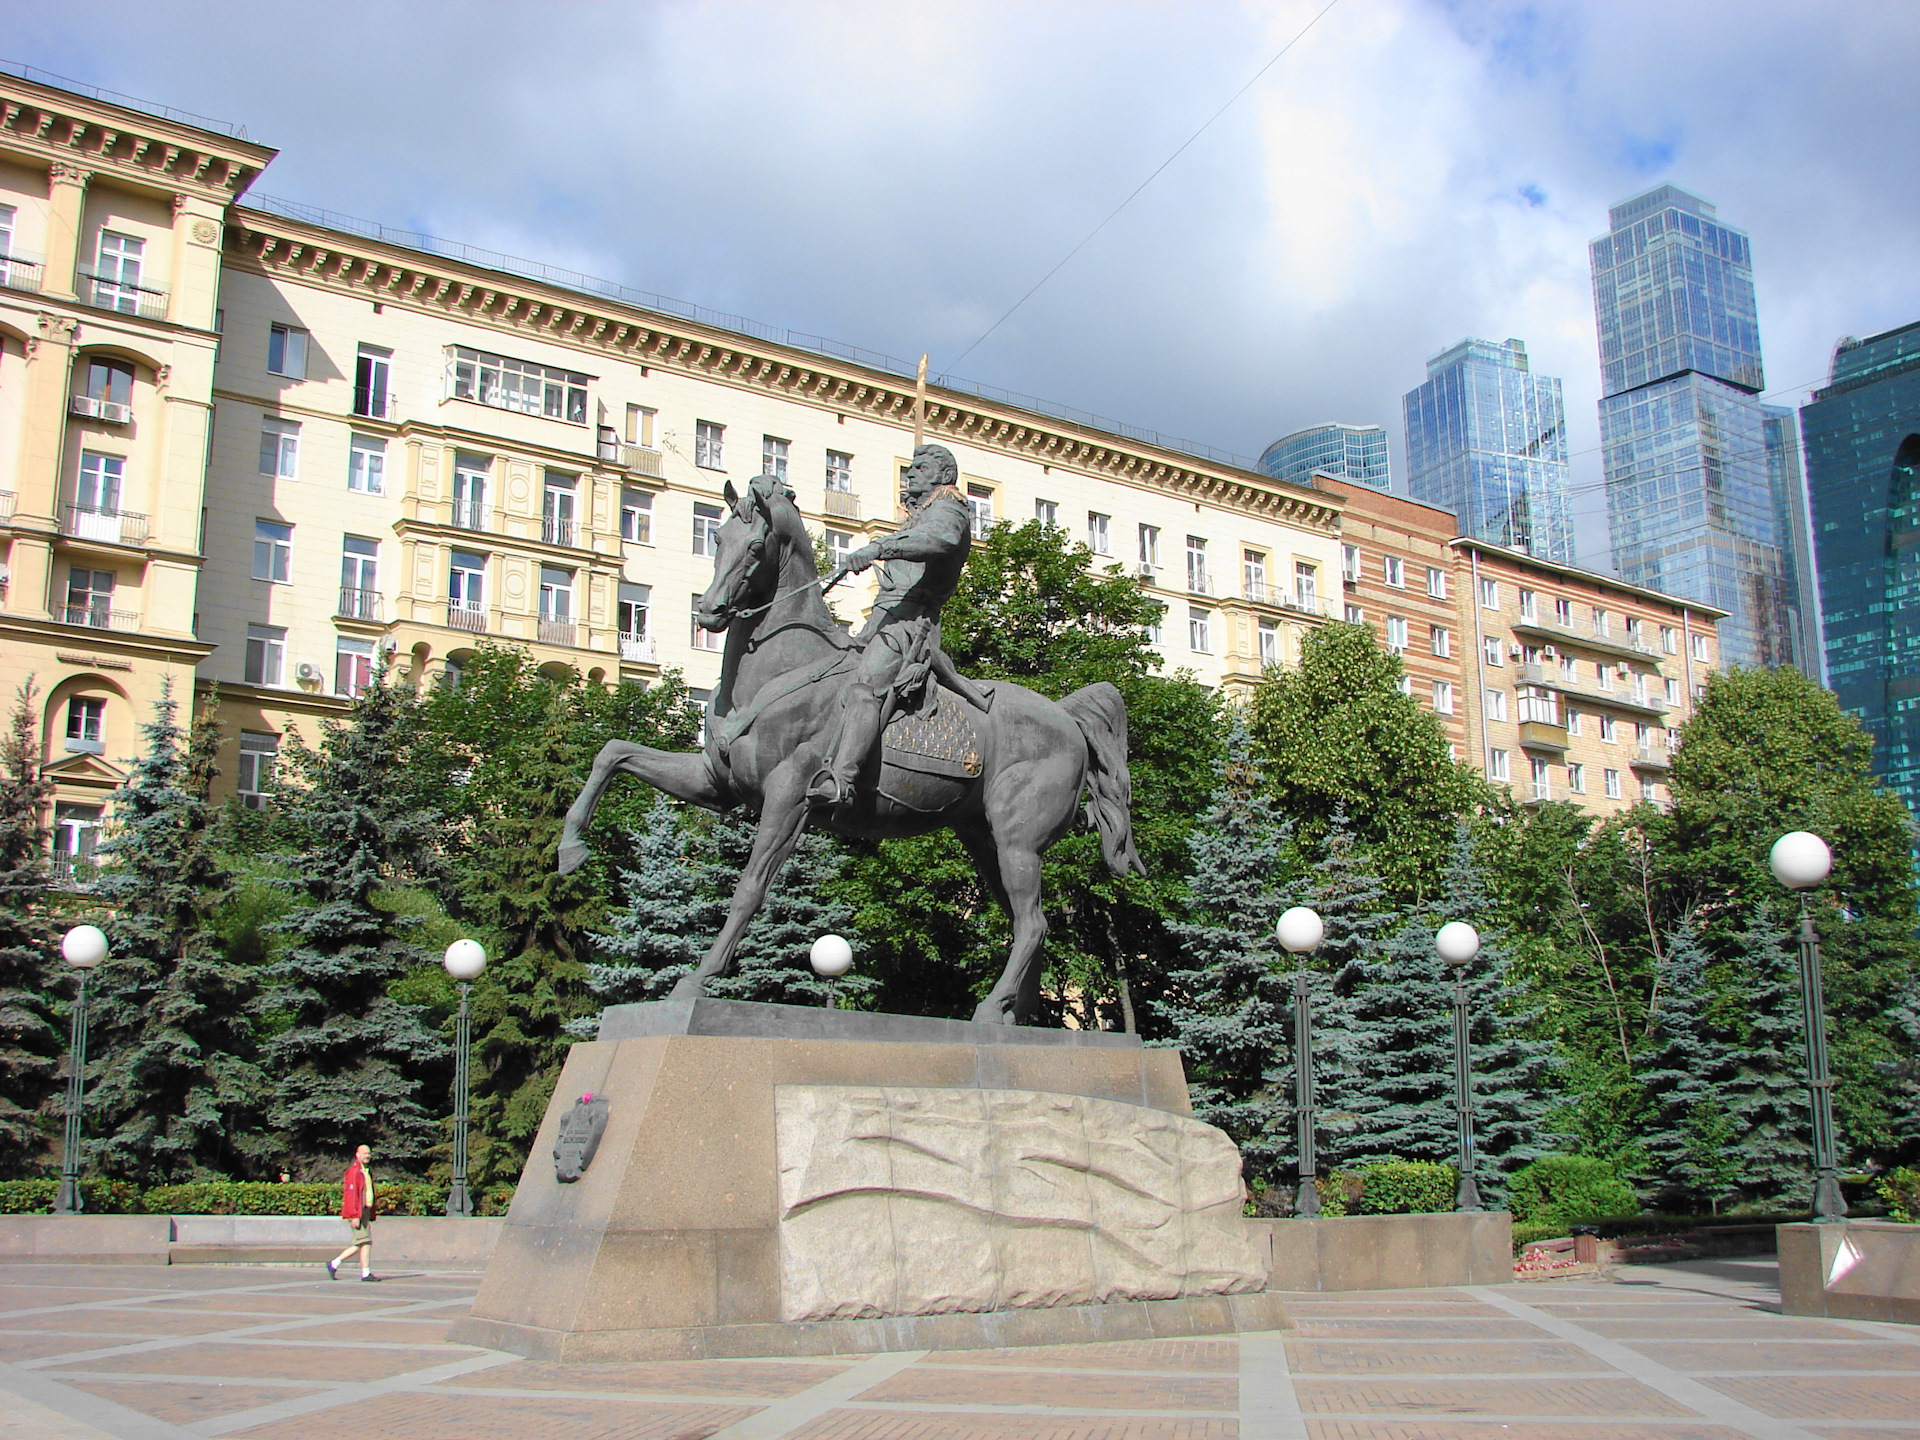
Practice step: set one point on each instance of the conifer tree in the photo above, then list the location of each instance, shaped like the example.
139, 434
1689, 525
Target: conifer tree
1687, 1153
1756, 1013
31, 1044
667, 922
172, 1074
345, 1064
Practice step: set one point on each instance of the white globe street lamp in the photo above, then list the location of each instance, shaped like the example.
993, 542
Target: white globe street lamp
1801, 860
831, 957
1300, 932
1458, 943
83, 947
464, 960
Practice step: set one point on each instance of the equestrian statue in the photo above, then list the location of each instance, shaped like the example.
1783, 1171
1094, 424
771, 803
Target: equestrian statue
876, 735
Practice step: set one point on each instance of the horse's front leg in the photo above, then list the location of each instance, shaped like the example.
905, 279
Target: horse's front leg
683, 776
783, 816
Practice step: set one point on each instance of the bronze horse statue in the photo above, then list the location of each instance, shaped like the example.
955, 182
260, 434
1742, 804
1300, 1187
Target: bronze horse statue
776, 710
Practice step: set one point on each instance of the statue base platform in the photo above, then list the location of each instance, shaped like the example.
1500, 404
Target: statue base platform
776, 1180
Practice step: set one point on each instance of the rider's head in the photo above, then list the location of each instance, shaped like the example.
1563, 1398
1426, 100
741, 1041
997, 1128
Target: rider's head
933, 466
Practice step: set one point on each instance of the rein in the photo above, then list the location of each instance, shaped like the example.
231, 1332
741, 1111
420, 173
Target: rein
783, 595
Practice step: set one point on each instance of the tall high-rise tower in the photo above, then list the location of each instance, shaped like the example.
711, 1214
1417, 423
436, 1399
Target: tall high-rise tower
1487, 439
1355, 452
1692, 501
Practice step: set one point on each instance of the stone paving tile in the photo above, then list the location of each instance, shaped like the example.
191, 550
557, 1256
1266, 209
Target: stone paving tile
400, 1330
1306, 1308
1132, 1355
359, 1298
431, 1416
1697, 1357
144, 1320
35, 1297
15, 1348
1757, 1327
932, 1385
1361, 1357
1624, 1397
908, 1425
278, 1362
1514, 1430
1363, 1327
1807, 1397
185, 1402
1858, 1432
757, 1379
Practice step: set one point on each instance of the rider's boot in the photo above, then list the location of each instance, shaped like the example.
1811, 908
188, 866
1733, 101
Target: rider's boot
859, 728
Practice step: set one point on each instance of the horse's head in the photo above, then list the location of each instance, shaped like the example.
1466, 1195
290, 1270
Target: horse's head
745, 566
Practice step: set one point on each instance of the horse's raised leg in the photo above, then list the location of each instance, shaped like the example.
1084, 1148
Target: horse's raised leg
683, 776
783, 815
1015, 997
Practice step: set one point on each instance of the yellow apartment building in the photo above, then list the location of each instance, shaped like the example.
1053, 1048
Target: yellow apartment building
111, 222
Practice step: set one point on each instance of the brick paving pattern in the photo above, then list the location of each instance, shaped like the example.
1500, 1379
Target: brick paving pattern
1696, 1352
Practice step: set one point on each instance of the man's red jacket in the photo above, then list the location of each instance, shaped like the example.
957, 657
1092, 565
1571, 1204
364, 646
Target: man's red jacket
353, 1189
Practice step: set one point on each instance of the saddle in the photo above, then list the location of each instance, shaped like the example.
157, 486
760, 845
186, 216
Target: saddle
931, 753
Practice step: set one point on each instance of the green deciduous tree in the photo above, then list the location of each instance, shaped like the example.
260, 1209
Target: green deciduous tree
30, 1040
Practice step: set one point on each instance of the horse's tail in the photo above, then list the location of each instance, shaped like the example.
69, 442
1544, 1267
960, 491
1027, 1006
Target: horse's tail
1101, 714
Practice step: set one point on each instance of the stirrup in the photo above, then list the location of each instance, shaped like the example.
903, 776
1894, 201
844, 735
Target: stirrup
825, 789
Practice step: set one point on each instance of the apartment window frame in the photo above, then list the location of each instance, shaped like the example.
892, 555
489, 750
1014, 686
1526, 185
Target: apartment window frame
1047, 513
1352, 614
1669, 640
521, 387
1609, 730
373, 382
1496, 705
100, 482
1150, 547
1350, 564
1443, 703
1563, 612
709, 445
86, 725
1198, 581
707, 520
109, 379
273, 551
1306, 586
1393, 571
279, 447
839, 472
1436, 583
353, 662
1499, 766
1396, 635
1199, 630
1268, 640
980, 508
557, 584
467, 581
775, 455
1577, 777
707, 640
265, 662
253, 782
287, 350
634, 611
1611, 781
839, 546
1492, 651
1489, 594
636, 517
118, 261
366, 464
1697, 649
1530, 606
1440, 641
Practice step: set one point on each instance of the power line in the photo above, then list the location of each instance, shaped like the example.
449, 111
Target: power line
1144, 184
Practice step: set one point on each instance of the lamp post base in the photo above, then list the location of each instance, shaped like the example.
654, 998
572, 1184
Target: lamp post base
1467, 1197
1829, 1204
1306, 1200
68, 1201
459, 1203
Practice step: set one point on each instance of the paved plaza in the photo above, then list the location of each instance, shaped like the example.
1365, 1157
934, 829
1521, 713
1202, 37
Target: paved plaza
274, 1353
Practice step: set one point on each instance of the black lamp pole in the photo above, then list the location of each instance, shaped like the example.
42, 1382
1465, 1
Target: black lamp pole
1829, 1204
459, 1197
1306, 1201
1467, 1196
68, 1201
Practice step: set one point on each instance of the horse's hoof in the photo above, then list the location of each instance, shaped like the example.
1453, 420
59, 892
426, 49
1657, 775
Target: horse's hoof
686, 988
990, 1012
572, 857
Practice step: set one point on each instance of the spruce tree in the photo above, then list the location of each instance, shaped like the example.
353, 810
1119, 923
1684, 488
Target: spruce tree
1756, 1014
172, 1077
667, 922
346, 1061
1687, 1154
31, 1044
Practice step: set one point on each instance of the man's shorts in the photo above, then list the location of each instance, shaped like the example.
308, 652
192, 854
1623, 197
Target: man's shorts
361, 1232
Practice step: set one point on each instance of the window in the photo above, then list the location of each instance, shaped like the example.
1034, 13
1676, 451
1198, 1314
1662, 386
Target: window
1635, 633
1404, 685
1603, 675
266, 654
1669, 640
86, 715
1602, 622
706, 529
109, 382
556, 594
636, 517
1538, 705
1673, 692
1436, 582
1441, 639
1641, 731
1353, 615
839, 546
839, 472
980, 506
636, 601
116, 284
1306, 585
76, 831
1698, 647
1253, 575
1396, 634
470, 490
287, 351
1489, 594
1490, 650
1569, 669
1150, 546
1529, 654
1350, 564
467, 590
1269, 642
1573, 722
1497, 766
352, 666
1542, 783
703, 639
556, 508
1577, 779
370, 371
359, 578
257, 753
1199, 630
272, 551
1496, 705
1197, 565
1609, 729
279, 447
99, 488
1443, 697
1611, 779
1394, 569
773, 456
709, 445
7, 212
1529, 607
366, 464
516, 385
1099, 533
1046, 512
640, 425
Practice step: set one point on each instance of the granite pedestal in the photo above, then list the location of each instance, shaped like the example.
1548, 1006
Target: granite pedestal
781, 1180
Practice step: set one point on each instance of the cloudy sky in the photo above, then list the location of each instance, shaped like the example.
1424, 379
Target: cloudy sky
896, 175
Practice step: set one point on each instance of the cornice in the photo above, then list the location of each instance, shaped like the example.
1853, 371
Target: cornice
110, 642
309, 254
74, 136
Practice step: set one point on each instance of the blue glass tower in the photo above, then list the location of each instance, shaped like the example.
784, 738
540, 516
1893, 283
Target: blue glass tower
1862, 434
1691, 498
1355, 452
1487, 439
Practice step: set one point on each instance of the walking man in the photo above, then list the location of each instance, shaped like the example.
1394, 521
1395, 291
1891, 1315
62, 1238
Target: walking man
356, 1208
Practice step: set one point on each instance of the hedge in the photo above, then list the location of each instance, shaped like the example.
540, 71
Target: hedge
97, 1197
238, 1197
1557, 1189
1901, 1190
1390, 1187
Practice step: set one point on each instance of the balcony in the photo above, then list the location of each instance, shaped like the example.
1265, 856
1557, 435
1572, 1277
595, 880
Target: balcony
638, 649
106, 293
113, 527
73, 872
841, 504
358, 604
558, 632
1650, 759
637, 459
18, 272
98, 617
92, 408
468, 515
1543, 735
556, 531
1261, 593
463, 616
1542, 794
8, 499
1200, 583
374, 404
1586, 640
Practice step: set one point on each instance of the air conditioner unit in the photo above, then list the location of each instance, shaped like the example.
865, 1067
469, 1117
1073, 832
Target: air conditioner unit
1514, 652
1547, 652
1623, 670
308, 672
1144, 570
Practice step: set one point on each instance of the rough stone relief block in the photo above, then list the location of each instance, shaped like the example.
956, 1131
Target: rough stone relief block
924, 1201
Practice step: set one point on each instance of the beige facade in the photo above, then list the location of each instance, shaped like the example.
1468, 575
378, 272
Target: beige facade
110, 222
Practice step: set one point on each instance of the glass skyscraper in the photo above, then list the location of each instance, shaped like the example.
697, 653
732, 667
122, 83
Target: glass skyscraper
1692, 499
1355, 452
1862, 435
1487, 439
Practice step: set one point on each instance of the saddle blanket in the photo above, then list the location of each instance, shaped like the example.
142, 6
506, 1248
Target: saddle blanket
935, 739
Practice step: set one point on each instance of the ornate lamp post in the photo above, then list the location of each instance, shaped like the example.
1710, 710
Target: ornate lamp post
1457, 943
1300, 932
84, 947
465, 959
1800, 861
831, 957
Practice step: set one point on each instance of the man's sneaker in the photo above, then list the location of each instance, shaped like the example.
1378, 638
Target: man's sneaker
369, 1279
333, 1269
